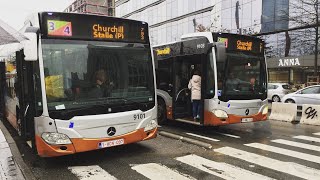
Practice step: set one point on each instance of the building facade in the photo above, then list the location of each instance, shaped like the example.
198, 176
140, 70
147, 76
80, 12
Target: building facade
276, 21
99, 7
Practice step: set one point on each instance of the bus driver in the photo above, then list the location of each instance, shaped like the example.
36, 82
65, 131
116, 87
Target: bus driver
233, 82
100, 90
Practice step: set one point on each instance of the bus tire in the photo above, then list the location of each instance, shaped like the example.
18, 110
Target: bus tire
162, 111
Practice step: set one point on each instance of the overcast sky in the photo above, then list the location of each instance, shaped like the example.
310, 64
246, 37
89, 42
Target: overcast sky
14, 12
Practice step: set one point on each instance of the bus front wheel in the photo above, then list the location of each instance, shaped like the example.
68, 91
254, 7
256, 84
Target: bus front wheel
162, 112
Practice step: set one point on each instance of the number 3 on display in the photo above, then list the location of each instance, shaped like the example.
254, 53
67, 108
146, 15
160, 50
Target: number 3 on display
51, 26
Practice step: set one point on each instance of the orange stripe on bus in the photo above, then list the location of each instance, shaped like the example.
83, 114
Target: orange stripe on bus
212, 120
83, 144
46, 150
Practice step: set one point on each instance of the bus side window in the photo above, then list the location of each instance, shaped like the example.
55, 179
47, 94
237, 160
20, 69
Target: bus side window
164, 79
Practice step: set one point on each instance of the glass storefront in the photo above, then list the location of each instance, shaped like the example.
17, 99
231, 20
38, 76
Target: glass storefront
169, 19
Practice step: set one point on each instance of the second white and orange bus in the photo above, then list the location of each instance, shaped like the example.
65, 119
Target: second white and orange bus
233, 78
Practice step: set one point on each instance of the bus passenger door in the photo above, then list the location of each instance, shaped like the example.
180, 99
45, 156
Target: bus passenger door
181, 94
25, 92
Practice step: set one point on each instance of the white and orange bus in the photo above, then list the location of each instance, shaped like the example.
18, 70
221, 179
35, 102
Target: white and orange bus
233, 78
80, 83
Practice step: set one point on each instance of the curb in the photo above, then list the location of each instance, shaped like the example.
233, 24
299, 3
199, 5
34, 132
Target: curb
26, 171
185, 139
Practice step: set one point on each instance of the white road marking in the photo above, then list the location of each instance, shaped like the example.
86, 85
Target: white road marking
91, 173
297, 144
308, 138
157, 172
317, 134
220, 169
203, 137
286, 152
285, 167
229, 135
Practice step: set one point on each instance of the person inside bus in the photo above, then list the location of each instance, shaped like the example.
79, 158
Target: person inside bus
252, 84
195, 87
233, 83
100, 89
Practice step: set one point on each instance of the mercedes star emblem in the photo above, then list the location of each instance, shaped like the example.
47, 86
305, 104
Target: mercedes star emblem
111, 131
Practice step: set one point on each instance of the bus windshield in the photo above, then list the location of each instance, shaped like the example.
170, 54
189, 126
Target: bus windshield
242, 77
83, 73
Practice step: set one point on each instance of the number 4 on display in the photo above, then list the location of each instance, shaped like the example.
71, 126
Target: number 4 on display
67, 30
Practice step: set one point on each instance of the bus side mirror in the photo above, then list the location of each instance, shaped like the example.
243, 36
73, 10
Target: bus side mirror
31, 45
221, 52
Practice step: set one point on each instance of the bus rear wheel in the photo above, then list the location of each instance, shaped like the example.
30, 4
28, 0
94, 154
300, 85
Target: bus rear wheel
162, 112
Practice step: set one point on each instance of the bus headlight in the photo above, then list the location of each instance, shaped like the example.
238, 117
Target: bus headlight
220, 114
56, 138
265, 110
151, 125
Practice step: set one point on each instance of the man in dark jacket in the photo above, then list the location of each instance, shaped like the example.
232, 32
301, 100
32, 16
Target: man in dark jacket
101, 89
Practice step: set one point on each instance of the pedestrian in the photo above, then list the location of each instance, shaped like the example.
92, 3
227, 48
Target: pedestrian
195, 87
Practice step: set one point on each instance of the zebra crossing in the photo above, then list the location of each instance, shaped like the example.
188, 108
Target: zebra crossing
248, 155
157, 171
220, 169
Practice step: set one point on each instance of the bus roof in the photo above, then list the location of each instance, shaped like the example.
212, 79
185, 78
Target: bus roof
93, 15
199, 45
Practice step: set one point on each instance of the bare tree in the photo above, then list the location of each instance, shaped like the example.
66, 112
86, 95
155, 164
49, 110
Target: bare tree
202, 28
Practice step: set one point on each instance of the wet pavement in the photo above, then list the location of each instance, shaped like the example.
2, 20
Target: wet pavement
9, 170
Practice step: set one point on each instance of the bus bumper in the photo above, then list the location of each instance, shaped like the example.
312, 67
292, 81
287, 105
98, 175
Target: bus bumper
211, 120
83, 144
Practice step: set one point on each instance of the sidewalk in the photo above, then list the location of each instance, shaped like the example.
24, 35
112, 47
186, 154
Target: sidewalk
10, 158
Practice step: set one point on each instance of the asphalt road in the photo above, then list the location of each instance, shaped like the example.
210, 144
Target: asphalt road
266, 150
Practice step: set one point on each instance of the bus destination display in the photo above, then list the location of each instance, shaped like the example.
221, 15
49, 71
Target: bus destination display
107, 32
88, 27
249, 45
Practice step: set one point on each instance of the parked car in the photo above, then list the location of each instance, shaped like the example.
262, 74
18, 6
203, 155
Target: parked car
277, 90
308, 95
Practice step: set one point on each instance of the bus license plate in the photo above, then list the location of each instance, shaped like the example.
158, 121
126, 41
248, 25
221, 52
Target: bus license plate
106, 144
244, 120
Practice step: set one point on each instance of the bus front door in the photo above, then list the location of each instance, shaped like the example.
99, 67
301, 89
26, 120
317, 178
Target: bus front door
26, 95
181, 95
